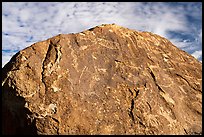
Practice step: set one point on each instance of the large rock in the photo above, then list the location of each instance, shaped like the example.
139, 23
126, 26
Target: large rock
105, 80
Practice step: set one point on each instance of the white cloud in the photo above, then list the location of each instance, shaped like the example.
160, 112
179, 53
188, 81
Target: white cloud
200, 36
181, 43
7, 57
197, 54
39, 21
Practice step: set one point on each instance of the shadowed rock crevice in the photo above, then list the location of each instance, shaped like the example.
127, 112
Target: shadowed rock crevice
154, 78
134, 96
105, 80
15, 120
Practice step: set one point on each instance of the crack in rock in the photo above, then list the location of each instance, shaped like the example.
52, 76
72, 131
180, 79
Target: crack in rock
154, 78
52, 60
134, 96
187, 82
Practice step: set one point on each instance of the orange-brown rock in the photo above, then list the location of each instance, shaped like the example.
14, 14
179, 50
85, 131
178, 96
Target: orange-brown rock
105, 80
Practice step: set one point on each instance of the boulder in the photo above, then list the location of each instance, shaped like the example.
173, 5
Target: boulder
105, 80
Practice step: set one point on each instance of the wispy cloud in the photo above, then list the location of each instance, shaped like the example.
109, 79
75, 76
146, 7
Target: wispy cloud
197, 54
26, 23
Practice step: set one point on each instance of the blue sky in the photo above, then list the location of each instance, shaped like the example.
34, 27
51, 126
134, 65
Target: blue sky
24, 23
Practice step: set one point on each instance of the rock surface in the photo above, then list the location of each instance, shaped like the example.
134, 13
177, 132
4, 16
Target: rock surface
105, 80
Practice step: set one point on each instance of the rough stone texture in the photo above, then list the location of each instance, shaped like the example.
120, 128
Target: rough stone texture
105, 80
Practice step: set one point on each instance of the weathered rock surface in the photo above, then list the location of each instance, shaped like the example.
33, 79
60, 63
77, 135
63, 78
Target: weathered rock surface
105, 80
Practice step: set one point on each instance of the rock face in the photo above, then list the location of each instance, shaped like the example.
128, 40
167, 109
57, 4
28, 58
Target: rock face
105, 80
